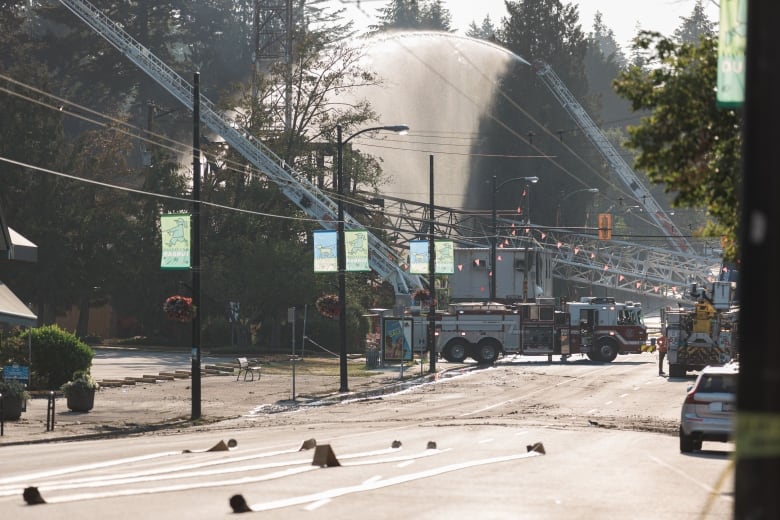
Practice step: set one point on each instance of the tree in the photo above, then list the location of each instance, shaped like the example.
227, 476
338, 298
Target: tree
532, 122
413, 15
485, 31
695, 26
686, 142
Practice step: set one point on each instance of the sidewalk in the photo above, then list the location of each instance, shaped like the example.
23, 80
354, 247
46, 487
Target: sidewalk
160, 404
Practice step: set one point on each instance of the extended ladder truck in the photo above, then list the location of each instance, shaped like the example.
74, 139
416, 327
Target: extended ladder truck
598, 327
703, 334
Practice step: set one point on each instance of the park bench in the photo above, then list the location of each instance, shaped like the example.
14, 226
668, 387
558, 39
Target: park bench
246, 368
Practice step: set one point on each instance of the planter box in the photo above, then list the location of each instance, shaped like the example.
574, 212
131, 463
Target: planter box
12, 407
81, 400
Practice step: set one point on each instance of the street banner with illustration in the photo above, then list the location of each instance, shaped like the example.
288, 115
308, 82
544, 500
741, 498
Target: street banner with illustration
175, 228
325, 251
357, 250
397, 339
418, 257
732, 42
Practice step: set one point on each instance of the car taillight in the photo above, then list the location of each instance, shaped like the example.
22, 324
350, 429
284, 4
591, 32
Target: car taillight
690, 398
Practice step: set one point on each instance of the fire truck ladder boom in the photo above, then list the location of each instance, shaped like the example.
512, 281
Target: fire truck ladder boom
624, 171
308, 197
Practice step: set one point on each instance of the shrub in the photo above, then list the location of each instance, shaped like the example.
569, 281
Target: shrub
57, 354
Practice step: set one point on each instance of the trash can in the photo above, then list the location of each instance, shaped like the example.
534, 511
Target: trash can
372, 357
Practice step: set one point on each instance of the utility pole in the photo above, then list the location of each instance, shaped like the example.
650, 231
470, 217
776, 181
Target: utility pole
758, 398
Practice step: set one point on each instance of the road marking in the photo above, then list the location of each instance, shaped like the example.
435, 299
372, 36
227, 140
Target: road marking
485, 441
623, 395
705, 487
339, 492
608, 403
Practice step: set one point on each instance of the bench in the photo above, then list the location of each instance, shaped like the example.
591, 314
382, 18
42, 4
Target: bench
246, 368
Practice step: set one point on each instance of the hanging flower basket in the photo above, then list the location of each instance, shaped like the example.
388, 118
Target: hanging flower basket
179, 308
328, 306
423, 296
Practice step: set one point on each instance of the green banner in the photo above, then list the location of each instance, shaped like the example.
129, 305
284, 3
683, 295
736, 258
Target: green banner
325, 252
732, 42
357, 250
175, 228
445, 256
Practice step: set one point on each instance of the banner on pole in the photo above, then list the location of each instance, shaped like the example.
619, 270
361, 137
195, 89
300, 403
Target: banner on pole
357, 250
732, 42
418, 257
175, 228
325, 251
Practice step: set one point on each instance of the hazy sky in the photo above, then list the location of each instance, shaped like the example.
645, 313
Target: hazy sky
624, 17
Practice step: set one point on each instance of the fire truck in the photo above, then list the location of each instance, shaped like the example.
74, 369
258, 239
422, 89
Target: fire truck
600, 328
702, 334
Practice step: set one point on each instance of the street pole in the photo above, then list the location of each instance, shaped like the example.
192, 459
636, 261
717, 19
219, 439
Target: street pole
493, 245
494, 239
196, 247
757, 472
341, 247
431, 282
342, 266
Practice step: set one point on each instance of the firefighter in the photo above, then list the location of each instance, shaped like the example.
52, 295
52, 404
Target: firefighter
661, 343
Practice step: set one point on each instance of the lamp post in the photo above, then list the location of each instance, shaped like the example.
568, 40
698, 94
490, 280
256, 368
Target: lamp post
341, 246
494, 238
566, 197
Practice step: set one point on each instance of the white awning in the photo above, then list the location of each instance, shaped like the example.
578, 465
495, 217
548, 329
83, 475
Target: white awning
21, 248
13, 311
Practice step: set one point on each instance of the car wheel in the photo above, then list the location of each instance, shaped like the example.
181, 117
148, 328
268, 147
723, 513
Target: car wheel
487, 352
607, 351
455, 351
686, 442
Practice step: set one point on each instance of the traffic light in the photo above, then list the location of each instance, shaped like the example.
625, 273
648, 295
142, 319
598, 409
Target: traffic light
605, 226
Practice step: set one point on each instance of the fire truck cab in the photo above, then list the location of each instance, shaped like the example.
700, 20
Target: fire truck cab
602, 328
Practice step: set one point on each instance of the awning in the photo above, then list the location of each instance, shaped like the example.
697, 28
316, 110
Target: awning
13, 311
21, 248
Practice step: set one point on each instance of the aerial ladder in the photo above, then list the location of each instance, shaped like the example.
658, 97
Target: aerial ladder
607, 150
302, 192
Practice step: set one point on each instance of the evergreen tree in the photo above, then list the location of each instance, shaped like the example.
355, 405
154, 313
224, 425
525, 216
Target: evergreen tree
413, 15
485, 31
695, 26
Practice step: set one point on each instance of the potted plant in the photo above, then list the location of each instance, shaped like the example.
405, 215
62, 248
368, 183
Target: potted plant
14, 398
80, 391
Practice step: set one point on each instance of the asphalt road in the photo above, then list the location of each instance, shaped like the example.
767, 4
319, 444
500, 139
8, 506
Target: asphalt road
608, 433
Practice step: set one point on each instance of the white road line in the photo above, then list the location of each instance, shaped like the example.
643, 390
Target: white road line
339, 492
705, 487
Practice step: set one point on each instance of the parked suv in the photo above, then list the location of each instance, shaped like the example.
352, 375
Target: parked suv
709, 407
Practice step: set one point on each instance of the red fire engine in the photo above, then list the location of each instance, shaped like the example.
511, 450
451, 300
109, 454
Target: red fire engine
600, 328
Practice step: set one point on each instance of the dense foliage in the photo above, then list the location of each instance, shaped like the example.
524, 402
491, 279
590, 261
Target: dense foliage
56, 355
686, 142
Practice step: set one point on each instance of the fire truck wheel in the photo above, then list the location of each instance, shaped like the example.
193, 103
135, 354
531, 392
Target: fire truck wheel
455, 351
487, 351
607, 351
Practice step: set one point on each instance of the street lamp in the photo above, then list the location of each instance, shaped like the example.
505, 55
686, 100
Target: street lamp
341, 246
566, 197
494, 238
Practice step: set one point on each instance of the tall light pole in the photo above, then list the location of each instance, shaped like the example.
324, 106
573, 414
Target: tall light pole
342, 248
494, 238
566, 197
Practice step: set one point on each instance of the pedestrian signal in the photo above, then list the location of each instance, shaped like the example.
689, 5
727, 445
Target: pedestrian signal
605, 226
